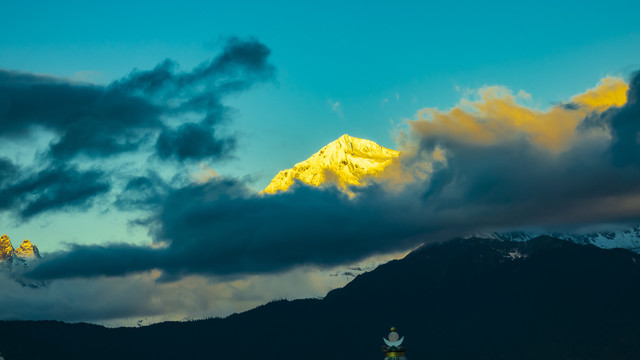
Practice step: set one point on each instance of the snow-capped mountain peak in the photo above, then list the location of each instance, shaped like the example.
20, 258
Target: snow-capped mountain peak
343, 162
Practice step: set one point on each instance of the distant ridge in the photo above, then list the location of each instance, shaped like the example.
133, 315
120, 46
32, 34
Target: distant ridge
623, 238
345, 161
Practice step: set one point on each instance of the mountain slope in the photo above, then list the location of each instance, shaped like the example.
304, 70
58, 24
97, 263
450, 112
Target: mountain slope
345, 161
477, 298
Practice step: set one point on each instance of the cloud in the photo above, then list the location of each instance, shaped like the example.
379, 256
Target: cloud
142, 193
611, 91
87, 119
164, 111
221, 228
625, 124
241, 64
101, 121
192, 141
53, 188
125, 301
531, 167
8, 170
336, 107
205, 174
496, 116
487, 164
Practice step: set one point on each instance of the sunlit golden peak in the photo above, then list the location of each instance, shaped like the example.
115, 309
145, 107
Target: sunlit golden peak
343, 162
26, 249
6, 249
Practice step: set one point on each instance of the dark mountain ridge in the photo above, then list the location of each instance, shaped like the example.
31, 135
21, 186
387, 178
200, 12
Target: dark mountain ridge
474, 298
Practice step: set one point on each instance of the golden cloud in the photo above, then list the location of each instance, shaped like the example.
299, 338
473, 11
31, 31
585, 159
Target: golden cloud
497, 115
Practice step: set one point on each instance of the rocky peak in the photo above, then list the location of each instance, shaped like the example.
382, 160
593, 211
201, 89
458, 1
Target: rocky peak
17, 261
345, 161
6, 249
27, 250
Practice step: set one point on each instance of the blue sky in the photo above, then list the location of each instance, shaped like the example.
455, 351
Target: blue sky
319, 71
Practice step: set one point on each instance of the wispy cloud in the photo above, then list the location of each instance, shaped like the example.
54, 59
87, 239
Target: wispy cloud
336, 107
56, 187
171, 114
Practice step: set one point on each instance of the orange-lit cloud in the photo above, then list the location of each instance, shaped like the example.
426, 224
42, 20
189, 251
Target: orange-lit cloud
611, 91
498, 116
205, 174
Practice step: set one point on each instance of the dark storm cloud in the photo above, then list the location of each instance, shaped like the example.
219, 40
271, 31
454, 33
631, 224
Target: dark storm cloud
241, 64
83, 257
126, 116
142, 193
527, 185
625, 124
221, 228
100, 121
53, 188
8, 170
192, 141
88, 119
519, 185
570, 106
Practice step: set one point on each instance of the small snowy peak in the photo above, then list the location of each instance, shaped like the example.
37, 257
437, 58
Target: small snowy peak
15, 262
27, 250
6, 249
343, 162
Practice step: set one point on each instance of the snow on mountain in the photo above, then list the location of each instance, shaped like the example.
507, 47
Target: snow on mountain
16, 261
27, 250
345, 161
626, 238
